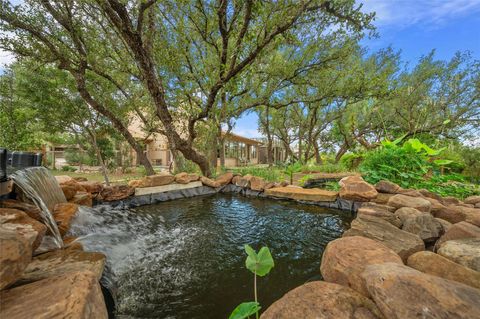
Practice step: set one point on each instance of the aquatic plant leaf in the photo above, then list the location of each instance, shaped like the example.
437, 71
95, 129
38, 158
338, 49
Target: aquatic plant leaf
245, 310
260, 263
443, 162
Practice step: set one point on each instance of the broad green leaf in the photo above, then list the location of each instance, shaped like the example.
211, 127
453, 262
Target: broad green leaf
245, 310
442, 162
260, 263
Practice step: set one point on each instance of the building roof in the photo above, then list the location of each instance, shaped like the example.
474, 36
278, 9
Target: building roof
234, 137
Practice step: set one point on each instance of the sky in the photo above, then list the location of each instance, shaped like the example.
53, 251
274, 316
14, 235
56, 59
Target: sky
413, 26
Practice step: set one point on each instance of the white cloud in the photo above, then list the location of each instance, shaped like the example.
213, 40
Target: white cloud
429, 13
5, 58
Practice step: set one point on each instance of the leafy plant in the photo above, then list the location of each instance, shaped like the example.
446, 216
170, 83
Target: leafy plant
304, 179
68, 168
259, 264
292, 169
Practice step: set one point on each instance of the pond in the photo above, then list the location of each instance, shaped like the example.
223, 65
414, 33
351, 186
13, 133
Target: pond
186, 259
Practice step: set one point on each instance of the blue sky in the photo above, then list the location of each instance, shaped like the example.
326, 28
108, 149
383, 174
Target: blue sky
413, 26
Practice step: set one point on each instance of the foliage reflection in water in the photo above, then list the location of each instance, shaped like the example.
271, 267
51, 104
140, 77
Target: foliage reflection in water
185, 258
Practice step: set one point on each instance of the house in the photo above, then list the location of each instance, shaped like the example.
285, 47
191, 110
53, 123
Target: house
238, 150
279, 154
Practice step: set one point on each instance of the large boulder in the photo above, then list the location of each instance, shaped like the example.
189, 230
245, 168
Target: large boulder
472, 199
345, 259
401, 242
62, 179
462, 251
382, 198
92, 187
451, 214
15, 216
82, 199
69, 191
257, 183
387, 187
63, 261
224, 179
472, 215
182, 178
242, 181
437, 265
425, 226
63, 214
209, 182
445, 225
405, 213
116, 192
403, 292
419, 203
136, 183
356, 189
322, 300
158, 179
16, 252
74, 295
302, 194
378, 206
459, 231
31, 210
380, 213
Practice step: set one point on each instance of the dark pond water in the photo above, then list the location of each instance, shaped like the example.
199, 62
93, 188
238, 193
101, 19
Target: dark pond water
186, 259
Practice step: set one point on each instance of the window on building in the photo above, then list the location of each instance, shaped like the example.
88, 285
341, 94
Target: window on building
158, 162
253, 151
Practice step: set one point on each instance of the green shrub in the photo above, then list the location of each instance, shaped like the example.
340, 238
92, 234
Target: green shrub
270, 174
351, 161
399, 165
449, 185
68, 168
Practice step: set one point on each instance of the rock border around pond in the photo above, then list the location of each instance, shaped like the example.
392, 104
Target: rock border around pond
412, 238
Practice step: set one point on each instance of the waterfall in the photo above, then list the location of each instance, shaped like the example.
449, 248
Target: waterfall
42, 188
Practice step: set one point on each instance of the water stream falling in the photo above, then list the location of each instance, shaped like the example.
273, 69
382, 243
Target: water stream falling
40, 186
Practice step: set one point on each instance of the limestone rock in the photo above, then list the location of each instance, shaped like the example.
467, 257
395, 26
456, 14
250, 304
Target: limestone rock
450, 200
473, 219
158, 180
61, 179
445, 225
182, 178
74, 295
63, 214
302, 194
459, 231
378, 206
116, 192
403, 292
269, 185
82, 199
209, 182
74, 183
92, 187
472, 199
15, 216
382, 198
462, 251
322, 300
345, 259
30, 209
405, 213
472, 215
400, 200
380, 213
257, 183
388, 187
136, 183
425, 226
428, 194
437, 265
355, 188
411, 193
224, 179
63, 261
69, 191
16, 253
401, 242
243, 181
451, 214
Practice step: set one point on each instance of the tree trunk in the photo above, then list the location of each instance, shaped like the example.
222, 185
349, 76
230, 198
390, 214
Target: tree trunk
343, 149
100, 159
122, 129
318, 158
269, 138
